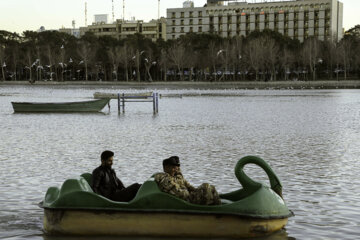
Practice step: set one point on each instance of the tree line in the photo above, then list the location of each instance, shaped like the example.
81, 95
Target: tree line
261, 56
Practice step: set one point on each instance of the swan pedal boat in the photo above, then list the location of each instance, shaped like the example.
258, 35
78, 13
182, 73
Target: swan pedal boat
252, 211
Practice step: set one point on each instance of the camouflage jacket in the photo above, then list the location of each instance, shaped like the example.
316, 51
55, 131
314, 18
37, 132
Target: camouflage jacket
175, 185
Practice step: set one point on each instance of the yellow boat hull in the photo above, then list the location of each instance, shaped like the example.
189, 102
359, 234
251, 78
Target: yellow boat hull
157, 224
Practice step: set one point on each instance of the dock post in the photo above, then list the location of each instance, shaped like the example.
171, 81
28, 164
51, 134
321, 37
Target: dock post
119, 103
154, 104
157, 102
123, 101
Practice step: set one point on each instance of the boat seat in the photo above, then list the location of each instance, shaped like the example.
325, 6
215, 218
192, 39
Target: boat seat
88, 177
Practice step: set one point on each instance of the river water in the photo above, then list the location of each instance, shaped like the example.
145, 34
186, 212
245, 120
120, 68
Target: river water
309, 137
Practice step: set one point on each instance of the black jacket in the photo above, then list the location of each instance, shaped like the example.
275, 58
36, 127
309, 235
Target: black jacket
105, 182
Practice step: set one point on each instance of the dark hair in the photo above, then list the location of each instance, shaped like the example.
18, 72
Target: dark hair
171, 161
105, 155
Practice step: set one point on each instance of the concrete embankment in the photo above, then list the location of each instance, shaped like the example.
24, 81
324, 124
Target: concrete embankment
348, 84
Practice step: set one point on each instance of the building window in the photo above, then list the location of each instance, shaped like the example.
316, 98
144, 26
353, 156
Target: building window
173, 30
173, 15
182, 14
182, 29
306, 15
173, 22
182, 22
316, 23
190, 22
327, 14
316, 14
327, 31
200, 13
173, 36
257, 17
191, 29
190, 14
200, 29
200, 21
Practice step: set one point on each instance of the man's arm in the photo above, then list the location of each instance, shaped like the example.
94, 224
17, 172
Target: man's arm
96, 180
166, 184
189, 186
119, 183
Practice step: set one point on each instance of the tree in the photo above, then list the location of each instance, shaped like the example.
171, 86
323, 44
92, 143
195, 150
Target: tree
87, 54
271, 55
311, 55
127, 58
224, 55
163, 63
149, 61
115, 56
286, 61
254, 54
345, 53
177, 57
2, 61
213, 53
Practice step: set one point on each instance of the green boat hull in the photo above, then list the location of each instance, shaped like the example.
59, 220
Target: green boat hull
62, 107
256, 209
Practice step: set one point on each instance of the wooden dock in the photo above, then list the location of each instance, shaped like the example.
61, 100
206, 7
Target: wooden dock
123, 98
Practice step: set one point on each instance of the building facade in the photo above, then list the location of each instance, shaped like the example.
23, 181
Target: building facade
153, 30
298, 19
71, 31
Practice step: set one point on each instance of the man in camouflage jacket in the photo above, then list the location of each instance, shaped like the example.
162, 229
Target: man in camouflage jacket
173, 182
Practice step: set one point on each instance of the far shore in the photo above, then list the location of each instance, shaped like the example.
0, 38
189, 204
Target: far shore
322, 84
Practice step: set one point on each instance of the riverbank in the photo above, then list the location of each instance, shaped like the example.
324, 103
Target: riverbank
327, 84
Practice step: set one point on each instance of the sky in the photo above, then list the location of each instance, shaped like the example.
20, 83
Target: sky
20, 15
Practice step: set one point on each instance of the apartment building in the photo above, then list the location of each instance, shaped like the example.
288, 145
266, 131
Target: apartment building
297, 19
153, 29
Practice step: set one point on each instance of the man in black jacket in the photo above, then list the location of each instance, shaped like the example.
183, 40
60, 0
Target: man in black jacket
105, 182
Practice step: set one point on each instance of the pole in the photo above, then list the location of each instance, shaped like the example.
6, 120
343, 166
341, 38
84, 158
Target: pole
123, 100
85, 14
123, 10
157, 102
119, 103
154, 104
